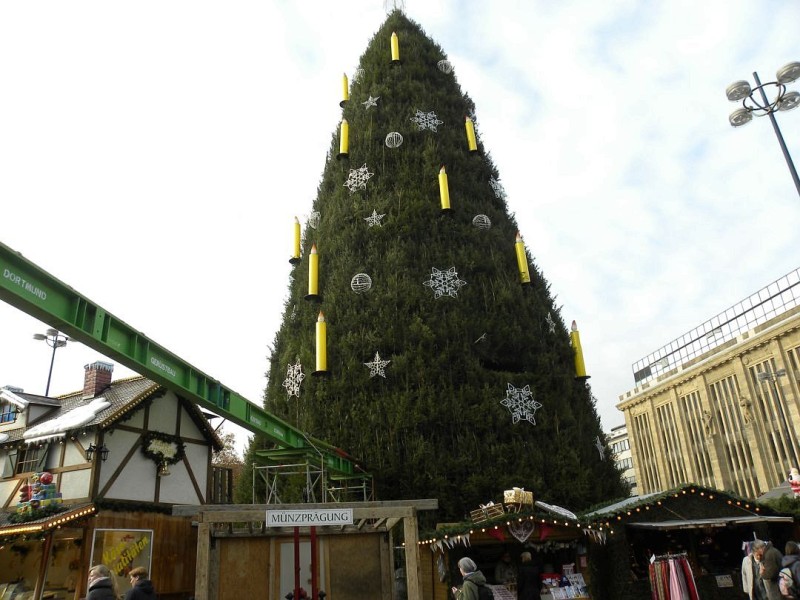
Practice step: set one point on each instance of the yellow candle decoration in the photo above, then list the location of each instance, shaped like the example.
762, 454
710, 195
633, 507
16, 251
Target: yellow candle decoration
444, 190
296, 254
313, 272
345, 90
471, 142
344, 139
322, 344
522, 261
580, 367
395, 48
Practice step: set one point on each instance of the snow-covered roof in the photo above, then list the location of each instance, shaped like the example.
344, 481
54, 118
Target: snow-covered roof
9, 396
58, 426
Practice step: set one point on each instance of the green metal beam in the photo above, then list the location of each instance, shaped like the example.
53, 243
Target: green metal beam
39, 294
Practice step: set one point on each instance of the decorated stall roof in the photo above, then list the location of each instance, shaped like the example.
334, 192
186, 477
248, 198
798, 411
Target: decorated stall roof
679, 508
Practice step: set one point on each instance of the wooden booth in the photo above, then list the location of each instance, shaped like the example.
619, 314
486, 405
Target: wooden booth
495, 538
703, 530
342, 550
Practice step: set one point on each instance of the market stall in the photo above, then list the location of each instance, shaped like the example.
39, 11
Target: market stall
497, 536
695, 532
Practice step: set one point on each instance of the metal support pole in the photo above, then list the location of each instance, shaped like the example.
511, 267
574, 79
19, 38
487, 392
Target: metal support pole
785, 151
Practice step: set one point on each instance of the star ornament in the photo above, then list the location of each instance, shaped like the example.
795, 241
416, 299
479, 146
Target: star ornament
377, 366
444, 283
358, 178
370, 102
374, 219
294, 377
551, 325
520, 403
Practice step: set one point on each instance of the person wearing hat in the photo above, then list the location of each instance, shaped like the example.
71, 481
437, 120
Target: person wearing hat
528, 581
473, 580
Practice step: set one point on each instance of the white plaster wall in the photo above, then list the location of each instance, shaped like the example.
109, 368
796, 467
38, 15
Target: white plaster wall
137, 481
73, 454
189, 429
177, 487
75, 484
163, 413
6, 488
136, 420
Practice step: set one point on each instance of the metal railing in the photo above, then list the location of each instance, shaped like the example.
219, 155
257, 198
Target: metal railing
769, 302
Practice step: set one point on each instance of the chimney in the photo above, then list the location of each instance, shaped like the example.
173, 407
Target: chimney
96, 378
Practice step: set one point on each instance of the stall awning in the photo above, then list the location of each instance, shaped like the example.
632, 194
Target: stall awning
714, 522
48, 523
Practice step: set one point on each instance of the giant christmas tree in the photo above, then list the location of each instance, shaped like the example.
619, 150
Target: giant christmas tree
447, 374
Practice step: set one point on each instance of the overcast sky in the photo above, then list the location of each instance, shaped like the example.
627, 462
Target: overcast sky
153, 156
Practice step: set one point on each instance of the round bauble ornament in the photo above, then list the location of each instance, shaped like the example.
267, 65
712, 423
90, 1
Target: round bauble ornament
313, 220
482, 222
445, 66
46, 478
394, 139
361, 283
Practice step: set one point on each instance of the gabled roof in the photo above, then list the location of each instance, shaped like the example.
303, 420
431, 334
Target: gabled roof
688, 504
73, 412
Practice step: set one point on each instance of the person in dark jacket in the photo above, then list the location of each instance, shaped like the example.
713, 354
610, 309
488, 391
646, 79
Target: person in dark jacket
770, 559
529, 582
102, 584
141, 586
473, 579
791, 559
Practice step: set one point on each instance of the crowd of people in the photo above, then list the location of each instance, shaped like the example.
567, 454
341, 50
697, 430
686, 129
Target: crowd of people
103, 585
768, 575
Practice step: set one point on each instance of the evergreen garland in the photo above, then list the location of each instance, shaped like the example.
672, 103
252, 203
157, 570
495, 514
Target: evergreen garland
158, 439
37, 513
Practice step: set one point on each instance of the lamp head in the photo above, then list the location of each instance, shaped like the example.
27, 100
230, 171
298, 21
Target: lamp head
789, 101
740, 117
738, 90
789, 72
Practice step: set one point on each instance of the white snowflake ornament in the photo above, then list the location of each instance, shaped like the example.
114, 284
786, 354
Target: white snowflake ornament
600, 448
427, 120
370, 102
358, 178
444, 283
520, 404
294, 377
497, 187
377, 366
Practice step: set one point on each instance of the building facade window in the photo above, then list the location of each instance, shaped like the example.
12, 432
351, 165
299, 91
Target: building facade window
8, 413
29, 459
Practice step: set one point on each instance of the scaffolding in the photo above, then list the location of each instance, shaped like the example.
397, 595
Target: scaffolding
306, 466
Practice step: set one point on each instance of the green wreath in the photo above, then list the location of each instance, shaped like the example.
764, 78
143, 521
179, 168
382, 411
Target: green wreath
163, 448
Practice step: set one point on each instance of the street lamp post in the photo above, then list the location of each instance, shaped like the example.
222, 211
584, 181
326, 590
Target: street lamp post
784, 100
55, 340
772, 377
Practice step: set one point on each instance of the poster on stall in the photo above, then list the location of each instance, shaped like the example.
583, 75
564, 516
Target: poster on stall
121, 550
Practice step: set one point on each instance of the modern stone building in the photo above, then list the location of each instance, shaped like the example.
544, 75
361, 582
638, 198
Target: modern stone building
619, 442
719, 406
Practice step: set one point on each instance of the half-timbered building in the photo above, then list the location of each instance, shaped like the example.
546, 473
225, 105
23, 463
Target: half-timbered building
91, 477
